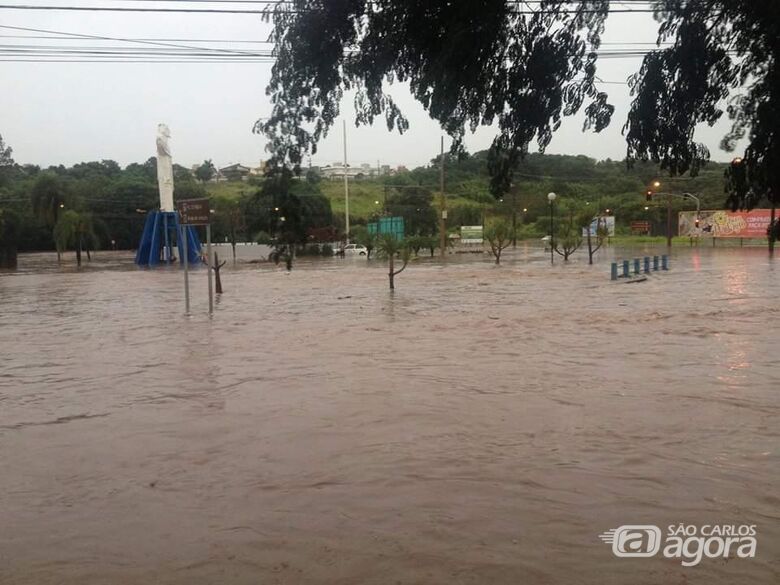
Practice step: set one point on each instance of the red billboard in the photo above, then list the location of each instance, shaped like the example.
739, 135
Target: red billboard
725, 224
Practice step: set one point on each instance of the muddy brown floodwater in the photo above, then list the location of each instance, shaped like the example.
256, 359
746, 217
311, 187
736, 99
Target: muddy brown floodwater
482, 425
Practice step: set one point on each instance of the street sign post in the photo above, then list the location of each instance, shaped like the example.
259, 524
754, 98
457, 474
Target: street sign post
196, 212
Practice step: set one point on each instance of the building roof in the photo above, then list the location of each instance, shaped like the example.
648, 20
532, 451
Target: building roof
235, 167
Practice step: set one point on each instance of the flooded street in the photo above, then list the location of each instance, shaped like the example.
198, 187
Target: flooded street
482, 425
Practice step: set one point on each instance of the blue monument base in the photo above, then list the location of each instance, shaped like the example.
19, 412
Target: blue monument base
162, 232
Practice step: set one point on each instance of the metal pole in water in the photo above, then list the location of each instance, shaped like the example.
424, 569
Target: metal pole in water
647, 264
442, 205
552, 235
613, 275
210, 264
664, 262
186, 271
655, 263
625, 268
636, 265
167, 249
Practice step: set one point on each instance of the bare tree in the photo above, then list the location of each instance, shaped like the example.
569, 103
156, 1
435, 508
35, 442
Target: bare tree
601, 234
568, 238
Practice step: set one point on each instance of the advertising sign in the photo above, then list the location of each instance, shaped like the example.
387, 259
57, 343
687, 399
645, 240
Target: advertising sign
388, 225
725, 224
607, 221
471, 234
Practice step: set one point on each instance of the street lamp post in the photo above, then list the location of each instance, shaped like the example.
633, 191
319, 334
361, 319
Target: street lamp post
551, 197
657, 186
669, 195
514, 217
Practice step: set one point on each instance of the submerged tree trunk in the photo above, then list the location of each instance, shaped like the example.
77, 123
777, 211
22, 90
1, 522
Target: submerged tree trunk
217, 278
233, 242
78, 253
590, 247
772, 231
391, 273
8, 257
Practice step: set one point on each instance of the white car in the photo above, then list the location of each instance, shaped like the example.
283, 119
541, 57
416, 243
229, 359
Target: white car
355, 250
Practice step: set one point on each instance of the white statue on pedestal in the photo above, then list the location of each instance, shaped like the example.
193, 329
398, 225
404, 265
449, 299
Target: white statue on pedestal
164, 168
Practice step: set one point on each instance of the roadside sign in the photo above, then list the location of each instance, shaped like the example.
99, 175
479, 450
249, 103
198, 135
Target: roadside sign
605, 222
194, 211
471, 234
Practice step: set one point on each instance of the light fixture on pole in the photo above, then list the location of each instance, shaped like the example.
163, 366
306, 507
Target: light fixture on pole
551, 198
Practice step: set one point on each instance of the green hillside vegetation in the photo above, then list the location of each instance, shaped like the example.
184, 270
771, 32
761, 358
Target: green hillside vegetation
117, 199
603, 185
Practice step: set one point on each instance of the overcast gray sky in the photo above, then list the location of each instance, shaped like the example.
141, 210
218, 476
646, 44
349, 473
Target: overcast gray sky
64, 113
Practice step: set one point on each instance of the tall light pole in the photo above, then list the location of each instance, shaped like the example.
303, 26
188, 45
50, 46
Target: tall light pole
551, 197
657, 186
442, 205
346, 183
514, 216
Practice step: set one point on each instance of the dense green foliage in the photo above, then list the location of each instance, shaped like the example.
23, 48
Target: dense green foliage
117, 199
523, 68
74, 230
9, 235
468, 63
206, 171
718, 51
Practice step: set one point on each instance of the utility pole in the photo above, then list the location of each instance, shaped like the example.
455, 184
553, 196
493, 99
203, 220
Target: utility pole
514, 218
346, 184
443, 205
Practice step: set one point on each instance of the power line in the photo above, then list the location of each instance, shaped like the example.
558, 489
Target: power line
177, 40
165, 49
269, 11
125, 40
55, 36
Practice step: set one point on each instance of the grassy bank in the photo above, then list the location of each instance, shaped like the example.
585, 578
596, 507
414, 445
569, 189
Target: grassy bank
366, 198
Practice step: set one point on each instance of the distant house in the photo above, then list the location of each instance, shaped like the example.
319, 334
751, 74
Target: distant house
336, 171
235, 172
259, 170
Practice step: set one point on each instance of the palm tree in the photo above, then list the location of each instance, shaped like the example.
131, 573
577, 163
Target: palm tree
74, 229
48, 196
387, 246
361, 236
